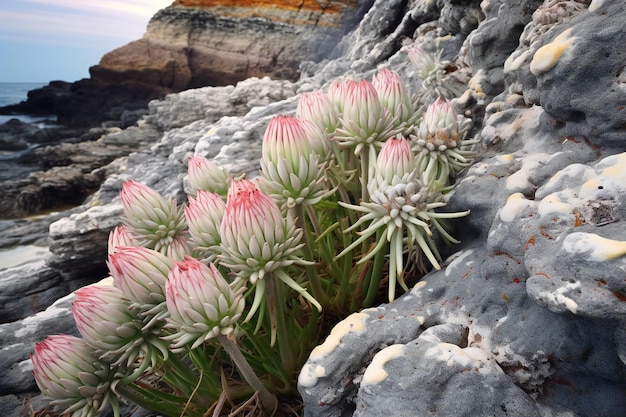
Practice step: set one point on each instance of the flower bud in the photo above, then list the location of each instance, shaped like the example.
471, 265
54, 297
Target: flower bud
121, 236
140, 273
394, 97
108, 324
67, 371
290, 160
201, 303
364, 121
440, 145
256, 239
158, 224
394, 162
204, 215
206, 175
318, 108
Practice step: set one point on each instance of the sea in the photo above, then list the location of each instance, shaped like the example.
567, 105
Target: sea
13, 93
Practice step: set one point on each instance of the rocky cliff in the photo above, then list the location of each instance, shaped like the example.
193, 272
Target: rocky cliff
196, 43
200, 43
527, 316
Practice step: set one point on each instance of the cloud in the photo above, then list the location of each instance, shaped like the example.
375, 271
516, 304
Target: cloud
55, 21
143, 8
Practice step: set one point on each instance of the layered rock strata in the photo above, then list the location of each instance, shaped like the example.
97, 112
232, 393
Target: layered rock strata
212, 42
527, 316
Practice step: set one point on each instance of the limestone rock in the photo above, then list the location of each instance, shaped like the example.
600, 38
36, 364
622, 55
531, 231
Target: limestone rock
526, 318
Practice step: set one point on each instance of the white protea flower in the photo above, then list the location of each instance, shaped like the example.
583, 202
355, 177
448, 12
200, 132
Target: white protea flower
290, 161
431, 71
204, 215
201, 303
400, 211
365, 123
204, 174
395, 97
441, 150
67, 372
157, 223
257, 240
108, 324
140, 273
318, 108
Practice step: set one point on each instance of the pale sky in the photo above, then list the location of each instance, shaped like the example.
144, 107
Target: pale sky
45, 40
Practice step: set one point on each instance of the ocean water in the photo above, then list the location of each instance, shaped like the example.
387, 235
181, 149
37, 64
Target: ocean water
13, 93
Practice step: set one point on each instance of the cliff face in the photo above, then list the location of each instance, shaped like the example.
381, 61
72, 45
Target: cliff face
211, 42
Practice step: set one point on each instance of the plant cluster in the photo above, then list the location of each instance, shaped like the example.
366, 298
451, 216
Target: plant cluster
215, 305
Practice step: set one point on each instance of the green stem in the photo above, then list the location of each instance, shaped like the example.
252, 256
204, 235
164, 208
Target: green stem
316, 286
276, 306
376, 273
268, 400
364, 157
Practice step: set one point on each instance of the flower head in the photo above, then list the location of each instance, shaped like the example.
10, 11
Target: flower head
394, 97
204, 174
290, 160
67, 371
256, 238
440, 145
364, 122
201, 303
430, 71
318, 108
108, 324
258, 241
394, 163
157, 223
337, 93
121, 236
140, 273
400, 211
204, 215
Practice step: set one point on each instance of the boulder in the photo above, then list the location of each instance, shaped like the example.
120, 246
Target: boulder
526, 317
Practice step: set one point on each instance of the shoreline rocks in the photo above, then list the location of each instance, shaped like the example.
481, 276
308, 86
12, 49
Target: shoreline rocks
527, 316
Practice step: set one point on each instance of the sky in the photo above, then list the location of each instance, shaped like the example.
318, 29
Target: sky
46, 40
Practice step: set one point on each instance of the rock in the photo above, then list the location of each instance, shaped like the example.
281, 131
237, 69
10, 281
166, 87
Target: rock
526, 318
535, 285
197, 43
78, 243
70, 172
18, 341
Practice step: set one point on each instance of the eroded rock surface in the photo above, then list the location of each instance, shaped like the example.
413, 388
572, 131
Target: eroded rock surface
527, 316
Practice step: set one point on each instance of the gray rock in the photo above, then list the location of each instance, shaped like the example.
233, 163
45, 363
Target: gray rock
527, 317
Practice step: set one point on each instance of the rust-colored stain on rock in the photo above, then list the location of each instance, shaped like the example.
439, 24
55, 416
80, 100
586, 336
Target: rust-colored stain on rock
304, 5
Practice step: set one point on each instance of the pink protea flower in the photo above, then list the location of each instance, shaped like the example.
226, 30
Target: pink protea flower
204, 215
201, 303
108, 324
121, 236
440, 145
401, 211
290, 160
206, 175
257, 240
318, 108
364, 122
140, 273
67, 372
395, 97
157, 223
